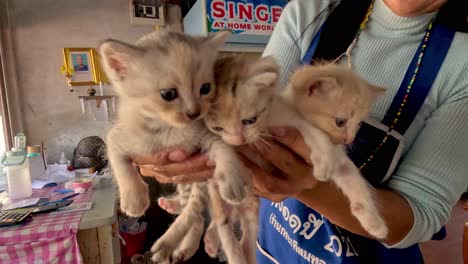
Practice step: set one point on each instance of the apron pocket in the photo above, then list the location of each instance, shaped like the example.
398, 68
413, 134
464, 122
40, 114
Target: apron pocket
376, 152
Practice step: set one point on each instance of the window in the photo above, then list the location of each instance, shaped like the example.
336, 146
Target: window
10, 114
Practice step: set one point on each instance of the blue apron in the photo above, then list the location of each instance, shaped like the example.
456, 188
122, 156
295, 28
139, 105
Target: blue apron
291, 232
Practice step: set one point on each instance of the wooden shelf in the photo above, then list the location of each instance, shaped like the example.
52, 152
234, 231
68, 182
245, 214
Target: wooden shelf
93, 105
97, 97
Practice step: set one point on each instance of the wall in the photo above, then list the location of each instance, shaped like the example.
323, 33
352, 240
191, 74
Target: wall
41, 29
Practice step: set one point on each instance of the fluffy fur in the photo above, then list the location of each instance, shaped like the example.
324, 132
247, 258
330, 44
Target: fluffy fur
165, 84
325, 102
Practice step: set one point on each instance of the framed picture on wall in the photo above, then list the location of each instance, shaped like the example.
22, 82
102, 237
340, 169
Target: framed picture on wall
83, 63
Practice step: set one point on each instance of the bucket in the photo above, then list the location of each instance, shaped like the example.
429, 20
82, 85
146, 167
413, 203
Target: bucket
132, 244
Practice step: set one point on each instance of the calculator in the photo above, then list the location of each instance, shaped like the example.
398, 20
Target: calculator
14, 217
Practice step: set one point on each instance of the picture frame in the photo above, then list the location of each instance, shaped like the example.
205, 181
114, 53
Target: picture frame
82, 62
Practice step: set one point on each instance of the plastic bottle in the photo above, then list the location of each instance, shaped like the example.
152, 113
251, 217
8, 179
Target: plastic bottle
63, 159
36, 165
20, 142
17, 170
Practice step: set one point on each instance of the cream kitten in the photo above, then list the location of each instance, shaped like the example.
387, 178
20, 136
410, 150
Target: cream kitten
326, 103
165, 85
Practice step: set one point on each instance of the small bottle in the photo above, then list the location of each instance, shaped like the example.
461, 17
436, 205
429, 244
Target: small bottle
16, 165
63, 159
36, 163
20, 142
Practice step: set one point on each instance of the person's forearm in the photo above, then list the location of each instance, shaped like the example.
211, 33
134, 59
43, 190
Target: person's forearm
328, 200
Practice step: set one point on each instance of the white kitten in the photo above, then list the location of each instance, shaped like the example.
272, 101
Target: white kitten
165, 85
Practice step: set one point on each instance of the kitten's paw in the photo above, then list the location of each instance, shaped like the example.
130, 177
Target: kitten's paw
211, 241
191, 242
211, 250
370, 220
184, 254
162, 253
377, 227
379, 231
323, 167
232, 186
323, 158
232, 194
170, 206
134, 201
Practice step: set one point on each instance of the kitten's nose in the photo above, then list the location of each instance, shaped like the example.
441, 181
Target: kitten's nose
194, 115
348, 139
237, 140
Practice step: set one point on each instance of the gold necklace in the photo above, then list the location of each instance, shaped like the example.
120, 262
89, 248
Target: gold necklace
362, 26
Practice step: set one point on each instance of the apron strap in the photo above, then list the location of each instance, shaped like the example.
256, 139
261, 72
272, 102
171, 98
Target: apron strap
313, 46
435, 52
324, 46
334, 37
337, 35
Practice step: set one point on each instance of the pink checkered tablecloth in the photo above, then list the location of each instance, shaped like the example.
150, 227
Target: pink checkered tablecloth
46, 238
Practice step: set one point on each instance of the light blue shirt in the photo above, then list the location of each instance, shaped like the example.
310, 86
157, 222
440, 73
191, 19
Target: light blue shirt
434, 170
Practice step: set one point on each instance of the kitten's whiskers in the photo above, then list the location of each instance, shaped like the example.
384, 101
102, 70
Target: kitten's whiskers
268, 136
262, 144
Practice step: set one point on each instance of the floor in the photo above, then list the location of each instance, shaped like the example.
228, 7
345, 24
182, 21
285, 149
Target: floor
449, 250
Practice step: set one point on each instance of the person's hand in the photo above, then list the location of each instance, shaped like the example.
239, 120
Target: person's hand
175, 166
289, 154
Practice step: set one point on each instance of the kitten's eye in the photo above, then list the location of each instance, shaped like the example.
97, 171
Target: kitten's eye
169, 94
340, 122
205, 89
219, 129
249, 121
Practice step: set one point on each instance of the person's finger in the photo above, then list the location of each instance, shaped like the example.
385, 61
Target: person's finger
147, 170
286, 161
291, 138
269, 183
199, 176
196, 163
272, 197
193, 177
163, 178
161, 158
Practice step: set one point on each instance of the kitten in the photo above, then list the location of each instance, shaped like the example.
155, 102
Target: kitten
325, 102
165, 85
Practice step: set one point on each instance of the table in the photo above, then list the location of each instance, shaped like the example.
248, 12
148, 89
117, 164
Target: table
44, 238
93, 233
98, 230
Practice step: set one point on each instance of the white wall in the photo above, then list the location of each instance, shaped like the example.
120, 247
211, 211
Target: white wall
42, 28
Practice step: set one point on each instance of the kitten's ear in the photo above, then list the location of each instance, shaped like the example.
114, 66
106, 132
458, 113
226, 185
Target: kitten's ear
264, 72
117, 57
265, 64
322, 85
264, 79
376, 91
218, 39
